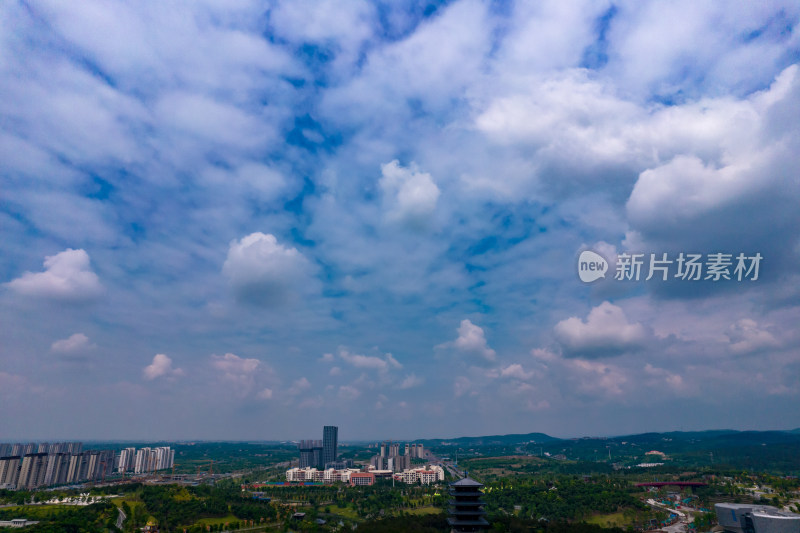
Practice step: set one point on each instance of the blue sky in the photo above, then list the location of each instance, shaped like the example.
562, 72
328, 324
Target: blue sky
245, 220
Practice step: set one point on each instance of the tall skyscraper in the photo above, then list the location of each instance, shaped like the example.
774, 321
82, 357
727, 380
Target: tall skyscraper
330, 443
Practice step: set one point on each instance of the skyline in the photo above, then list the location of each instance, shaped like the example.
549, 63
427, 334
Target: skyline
227, 220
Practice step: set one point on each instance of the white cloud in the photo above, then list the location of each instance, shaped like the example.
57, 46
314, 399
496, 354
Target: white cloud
675, 381
516, 371
335, 371
596, 377
314, 402
409, 195
327, 358
161, 367
233, 364
299, 385
471, 340
12, 383
381, 364
411, 381
605, 332
348, 392
340, 28
68, 277
75, 343
237, 370
461, 386
265, 394
266, 273
746, 337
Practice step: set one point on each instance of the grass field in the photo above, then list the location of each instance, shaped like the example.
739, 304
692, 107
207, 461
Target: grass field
346, 512
609, 520
215, 521
33, 512
425, 510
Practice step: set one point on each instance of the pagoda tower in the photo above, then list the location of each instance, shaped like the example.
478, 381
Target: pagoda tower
466, 507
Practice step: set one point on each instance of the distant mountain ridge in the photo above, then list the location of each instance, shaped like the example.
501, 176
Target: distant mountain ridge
716, 436
487, 440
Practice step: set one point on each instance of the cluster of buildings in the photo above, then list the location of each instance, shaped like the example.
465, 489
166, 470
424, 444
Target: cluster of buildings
320, 454
390, 457
320, 463
424, 475
145, 460
32, 465
28, 466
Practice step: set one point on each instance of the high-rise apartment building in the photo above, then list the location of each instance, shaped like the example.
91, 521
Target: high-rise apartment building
127, 460
33, 471
9, 471
310, 453
330, 444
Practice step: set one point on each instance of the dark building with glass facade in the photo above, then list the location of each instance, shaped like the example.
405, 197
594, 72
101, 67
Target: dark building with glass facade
466, 507
330, 442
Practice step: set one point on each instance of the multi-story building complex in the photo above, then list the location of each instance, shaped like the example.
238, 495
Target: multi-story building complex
362, 478
390, 458
329, 475
425, 475
310, 453
320, 453
152, 459
748, 518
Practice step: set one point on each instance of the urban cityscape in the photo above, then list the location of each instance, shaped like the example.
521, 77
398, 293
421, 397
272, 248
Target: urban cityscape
464, 484
392, 266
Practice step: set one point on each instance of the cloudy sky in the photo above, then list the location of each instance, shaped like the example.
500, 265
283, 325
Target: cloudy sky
244, 220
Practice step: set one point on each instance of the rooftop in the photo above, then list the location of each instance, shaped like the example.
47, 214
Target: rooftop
466, 482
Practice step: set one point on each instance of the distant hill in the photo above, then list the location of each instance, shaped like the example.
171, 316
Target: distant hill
489, 440
672, 441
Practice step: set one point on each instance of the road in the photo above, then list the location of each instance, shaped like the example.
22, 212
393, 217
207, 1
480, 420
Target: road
120, 518
678, 527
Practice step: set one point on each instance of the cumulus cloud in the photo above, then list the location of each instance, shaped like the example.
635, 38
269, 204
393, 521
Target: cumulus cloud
411, 381
409, 195
596, 377
313, 402
161, 367
747, 337
265, 273
381, 364
348, 392
12, 383
675, 381
516, 371
265, 394
471, 341
605, 332
67, 277
237, 370
299, 385
75, 343
461, 386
